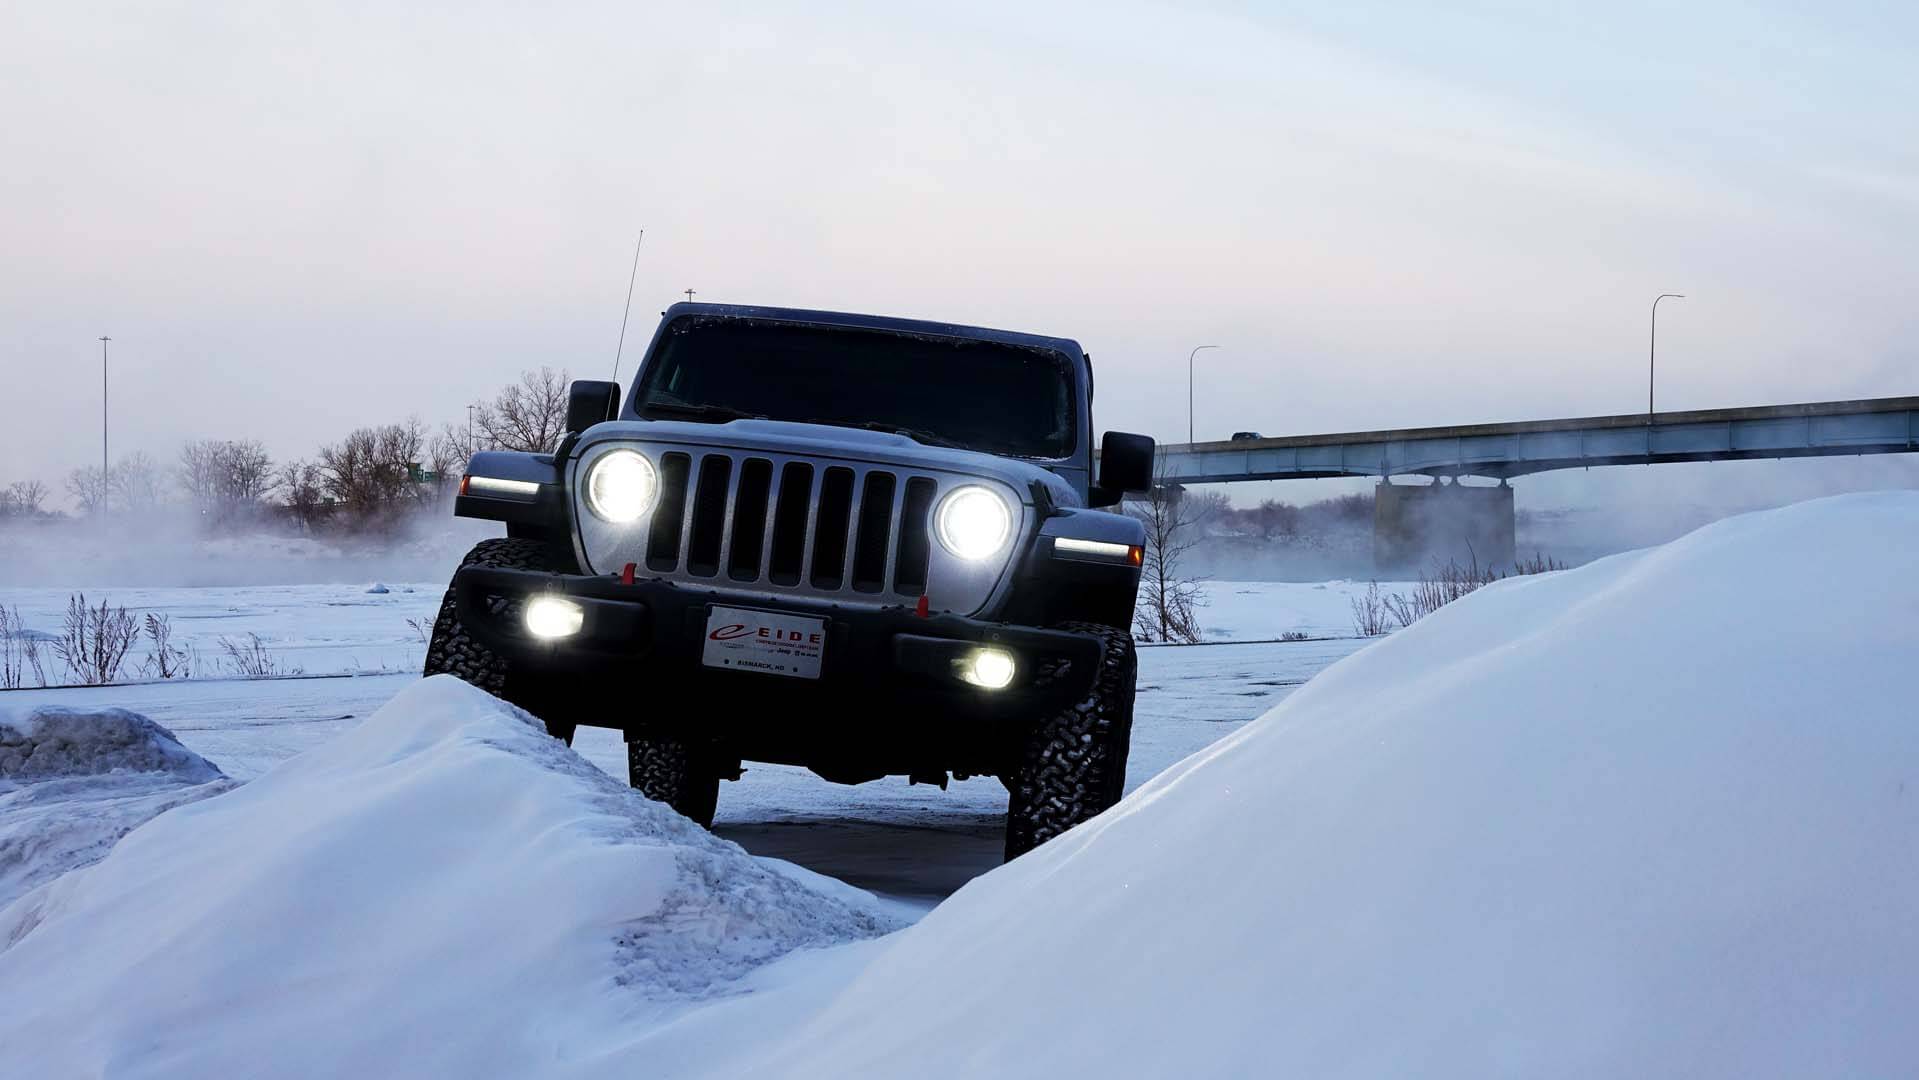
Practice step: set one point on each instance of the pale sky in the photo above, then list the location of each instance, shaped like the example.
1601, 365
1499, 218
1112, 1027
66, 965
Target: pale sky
298, 220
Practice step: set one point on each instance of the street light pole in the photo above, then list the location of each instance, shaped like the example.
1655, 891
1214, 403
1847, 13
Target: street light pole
103, 420
1189, 388
1652, 353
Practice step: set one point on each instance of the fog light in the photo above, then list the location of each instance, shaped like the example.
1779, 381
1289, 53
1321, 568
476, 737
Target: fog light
552, 617
989, 668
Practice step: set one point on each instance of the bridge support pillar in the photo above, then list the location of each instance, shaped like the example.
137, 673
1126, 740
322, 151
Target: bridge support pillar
1416, 524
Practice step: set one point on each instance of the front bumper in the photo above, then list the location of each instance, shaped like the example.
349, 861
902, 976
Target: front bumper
643, 644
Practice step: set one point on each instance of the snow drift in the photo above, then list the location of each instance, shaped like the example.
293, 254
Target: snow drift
1655, 816
74, 781
442, 891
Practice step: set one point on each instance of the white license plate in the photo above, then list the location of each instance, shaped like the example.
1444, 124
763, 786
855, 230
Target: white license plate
768, 642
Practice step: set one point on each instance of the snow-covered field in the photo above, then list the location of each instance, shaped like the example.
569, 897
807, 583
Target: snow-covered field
1653, 816
371, 627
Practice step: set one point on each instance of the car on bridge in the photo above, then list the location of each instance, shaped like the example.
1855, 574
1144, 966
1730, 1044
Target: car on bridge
862, 545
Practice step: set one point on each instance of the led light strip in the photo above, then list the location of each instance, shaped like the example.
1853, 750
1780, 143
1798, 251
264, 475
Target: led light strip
1066, 547
493, 485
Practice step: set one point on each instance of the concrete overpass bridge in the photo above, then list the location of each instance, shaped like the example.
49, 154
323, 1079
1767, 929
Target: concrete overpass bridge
1448, 516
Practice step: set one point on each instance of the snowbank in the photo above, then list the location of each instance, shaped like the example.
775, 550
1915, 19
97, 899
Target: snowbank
1655, 816
442, 891
73, 782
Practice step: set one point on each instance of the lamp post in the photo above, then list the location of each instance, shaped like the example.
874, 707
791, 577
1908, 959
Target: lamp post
1652, 354
1189, 388
103, 421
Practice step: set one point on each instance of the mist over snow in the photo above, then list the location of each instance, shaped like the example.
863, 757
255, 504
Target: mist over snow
167, 549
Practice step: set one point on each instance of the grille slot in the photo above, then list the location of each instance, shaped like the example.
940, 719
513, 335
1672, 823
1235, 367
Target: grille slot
830, 528
788, 556
915, 547
708, 525
663, 541
749, 520
875, 529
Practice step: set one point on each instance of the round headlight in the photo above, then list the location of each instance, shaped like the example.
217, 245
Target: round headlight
621, 486
973, 522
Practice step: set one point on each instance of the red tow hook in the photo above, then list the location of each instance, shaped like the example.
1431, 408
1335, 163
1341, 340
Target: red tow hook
922, 609
626, 574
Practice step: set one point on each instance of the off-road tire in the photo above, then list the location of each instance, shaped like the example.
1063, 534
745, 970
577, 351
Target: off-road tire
1073, 765
668, 771
454, 651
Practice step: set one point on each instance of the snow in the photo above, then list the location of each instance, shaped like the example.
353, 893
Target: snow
441, 891
372, 628
1264, 610
74, 781
312, 629
1655, 816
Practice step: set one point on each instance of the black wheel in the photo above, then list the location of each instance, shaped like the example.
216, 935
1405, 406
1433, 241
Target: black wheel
1073, 765
453, 651
668, 771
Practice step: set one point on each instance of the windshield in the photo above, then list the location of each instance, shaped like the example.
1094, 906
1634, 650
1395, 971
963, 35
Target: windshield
981, 395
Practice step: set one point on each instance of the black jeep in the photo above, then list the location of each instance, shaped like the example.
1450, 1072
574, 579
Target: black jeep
862, 545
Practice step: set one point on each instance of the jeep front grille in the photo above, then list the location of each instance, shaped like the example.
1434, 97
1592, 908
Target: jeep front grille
728, 517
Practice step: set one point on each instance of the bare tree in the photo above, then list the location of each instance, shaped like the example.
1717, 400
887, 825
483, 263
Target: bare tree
1276, 519
373, 472
22, 498
303, 485
1168, 599
137, 483
225, 479
528, 415
88, 485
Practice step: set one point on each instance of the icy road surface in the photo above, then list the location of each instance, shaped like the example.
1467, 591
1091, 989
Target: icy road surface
915, 844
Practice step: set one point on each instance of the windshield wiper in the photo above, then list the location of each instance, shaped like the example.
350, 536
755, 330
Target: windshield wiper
706, 413
915, 434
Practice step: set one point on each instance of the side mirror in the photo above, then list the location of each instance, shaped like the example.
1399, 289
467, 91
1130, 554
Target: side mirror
590, 402
1125, 464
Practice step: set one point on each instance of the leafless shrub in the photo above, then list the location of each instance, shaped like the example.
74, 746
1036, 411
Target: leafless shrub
1168, 600
1295, 635
1537, 563
252, 659
1437, 587
94, 641
1370, 612
165, 660
422, 629
14, 644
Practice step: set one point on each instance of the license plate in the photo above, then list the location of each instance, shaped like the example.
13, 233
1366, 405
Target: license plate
768, 642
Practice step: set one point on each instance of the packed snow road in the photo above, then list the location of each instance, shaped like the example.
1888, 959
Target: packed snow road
912, 844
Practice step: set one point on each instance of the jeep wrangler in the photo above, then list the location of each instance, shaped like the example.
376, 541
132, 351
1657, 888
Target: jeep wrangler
866, 546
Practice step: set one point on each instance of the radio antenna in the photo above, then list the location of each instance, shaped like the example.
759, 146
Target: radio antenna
629, 304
